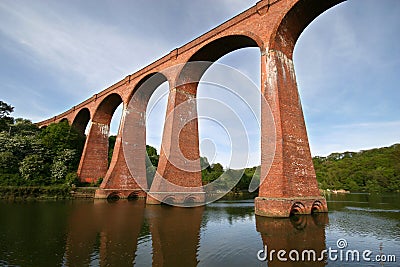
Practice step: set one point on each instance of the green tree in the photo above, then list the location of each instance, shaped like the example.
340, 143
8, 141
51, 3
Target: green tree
34, 170
5, 119
111, 144
59, 136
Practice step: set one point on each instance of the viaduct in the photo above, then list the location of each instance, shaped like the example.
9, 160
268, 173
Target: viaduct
289, 186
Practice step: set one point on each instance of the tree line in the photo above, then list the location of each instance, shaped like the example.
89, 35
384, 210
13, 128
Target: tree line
30, 156
374, 170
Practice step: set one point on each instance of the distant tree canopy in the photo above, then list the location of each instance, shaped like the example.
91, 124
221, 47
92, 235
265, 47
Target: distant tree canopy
374, 170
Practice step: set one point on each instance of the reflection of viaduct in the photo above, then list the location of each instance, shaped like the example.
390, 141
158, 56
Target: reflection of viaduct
109, 234
272, 25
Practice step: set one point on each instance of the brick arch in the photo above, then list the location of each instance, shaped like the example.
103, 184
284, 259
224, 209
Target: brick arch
291, 172
81, 120
105, 110
219, 47
213, 51
293, 22
130, 145
147, 86
94, 160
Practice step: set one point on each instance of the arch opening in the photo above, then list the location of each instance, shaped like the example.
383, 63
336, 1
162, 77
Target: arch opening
297, 209
190, 200
147, 109
113, 197
210, 53
344, 85
168, 201
81, 120
227, 103
317, 207
133, 196
155, 119
95, 162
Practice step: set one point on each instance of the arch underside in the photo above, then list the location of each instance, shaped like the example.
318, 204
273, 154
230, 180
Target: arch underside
81, 120
295, 21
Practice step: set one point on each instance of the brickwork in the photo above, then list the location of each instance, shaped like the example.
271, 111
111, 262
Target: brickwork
290, 183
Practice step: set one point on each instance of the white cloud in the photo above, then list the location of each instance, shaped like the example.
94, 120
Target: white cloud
84, 47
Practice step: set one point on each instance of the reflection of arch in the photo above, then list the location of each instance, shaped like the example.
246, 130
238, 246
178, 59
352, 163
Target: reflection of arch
299, 222
81, 120
133, 195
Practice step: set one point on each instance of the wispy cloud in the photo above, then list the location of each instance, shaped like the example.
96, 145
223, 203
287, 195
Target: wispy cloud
58, 53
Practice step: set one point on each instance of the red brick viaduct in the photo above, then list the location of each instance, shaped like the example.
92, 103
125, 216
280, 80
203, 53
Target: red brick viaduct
289, 186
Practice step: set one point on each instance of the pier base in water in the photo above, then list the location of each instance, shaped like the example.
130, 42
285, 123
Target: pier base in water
284, 207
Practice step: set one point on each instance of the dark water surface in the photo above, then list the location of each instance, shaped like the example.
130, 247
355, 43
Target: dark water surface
225, 233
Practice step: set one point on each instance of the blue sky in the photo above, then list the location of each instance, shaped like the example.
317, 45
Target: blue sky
55, 54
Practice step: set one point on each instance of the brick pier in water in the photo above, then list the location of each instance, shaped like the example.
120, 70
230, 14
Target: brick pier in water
289, 185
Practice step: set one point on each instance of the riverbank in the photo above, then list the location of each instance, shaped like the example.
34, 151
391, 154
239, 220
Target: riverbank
61, 192
66, 192
35, 192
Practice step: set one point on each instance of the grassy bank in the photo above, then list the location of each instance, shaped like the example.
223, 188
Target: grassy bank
34, 192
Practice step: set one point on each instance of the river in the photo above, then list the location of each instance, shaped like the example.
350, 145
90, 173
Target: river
224, 233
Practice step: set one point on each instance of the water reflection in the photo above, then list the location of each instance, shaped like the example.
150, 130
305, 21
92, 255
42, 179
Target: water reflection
32, 234
297, 233
224, 233
104, 234
175, 234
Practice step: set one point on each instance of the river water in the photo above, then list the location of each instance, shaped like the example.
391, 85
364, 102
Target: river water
224, 233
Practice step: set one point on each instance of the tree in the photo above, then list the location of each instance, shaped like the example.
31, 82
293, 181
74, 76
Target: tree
34, 170
59, 136
153, 156
24, 127
111, 144
5, 119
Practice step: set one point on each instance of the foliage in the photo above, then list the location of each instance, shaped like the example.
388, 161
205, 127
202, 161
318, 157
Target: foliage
5, 119
33, 169
111, 144
153, 156
59, 136
24, 192
30, 156
374, 170
151, 163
